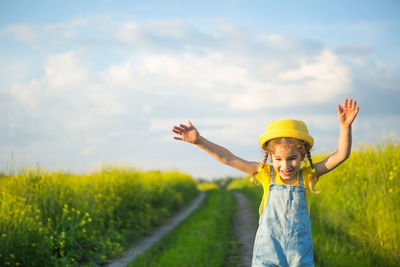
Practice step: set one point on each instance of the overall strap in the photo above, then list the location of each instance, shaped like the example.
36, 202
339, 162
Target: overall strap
272, 174
301, 182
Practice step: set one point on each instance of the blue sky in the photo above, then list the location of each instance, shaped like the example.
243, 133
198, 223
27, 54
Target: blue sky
89, 82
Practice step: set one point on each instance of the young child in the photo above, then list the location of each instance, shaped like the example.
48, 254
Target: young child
284, 234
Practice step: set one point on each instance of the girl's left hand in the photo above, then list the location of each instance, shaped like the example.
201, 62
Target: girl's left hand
348, 113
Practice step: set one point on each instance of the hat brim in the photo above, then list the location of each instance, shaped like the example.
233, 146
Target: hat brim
286, 133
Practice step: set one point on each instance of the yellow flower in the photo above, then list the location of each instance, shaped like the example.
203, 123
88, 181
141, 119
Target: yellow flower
390, 190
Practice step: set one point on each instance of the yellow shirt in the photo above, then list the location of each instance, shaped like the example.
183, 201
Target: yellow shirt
265, 179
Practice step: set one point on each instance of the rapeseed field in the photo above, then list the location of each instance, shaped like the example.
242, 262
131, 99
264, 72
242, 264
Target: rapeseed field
63, 219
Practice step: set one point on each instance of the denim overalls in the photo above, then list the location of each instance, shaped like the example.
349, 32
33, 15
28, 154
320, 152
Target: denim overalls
284, 235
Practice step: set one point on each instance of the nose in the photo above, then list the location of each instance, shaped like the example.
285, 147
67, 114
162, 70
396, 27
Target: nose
286, 164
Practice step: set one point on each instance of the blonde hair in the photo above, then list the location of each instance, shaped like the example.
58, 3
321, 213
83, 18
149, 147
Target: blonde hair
304, 149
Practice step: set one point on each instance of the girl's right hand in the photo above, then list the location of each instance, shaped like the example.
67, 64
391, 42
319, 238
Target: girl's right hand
187, 133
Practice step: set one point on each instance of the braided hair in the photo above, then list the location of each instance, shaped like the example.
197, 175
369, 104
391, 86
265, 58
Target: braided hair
304, 149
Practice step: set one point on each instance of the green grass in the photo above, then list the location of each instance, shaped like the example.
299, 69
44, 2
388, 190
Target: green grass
205, 238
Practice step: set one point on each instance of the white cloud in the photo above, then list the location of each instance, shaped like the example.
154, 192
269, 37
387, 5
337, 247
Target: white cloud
27, 95
129, 32
24, 33
67, 95
150, 76
320, 78
240, 86
62, 71
42, 35
171, 29
239, 81
120, 74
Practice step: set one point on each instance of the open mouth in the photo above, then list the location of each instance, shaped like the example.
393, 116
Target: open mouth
286, 173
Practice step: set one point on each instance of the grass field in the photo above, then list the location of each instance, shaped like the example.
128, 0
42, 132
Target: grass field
205, 238
63, 219
356, 218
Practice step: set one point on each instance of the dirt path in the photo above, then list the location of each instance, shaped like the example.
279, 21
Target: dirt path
244, 223
147, 242
245, 226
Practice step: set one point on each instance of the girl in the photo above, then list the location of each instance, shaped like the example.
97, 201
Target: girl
284, 234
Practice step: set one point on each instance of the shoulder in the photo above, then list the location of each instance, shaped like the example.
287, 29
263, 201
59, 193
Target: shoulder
264, 173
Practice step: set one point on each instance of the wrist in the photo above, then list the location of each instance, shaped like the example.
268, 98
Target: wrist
345, 126
200, 141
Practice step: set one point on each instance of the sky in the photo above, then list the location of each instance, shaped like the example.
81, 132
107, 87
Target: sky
88, 83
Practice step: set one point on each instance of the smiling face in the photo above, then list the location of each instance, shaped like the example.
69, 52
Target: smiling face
286, 159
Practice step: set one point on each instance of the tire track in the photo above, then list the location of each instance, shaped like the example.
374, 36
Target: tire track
245, 227
158, 233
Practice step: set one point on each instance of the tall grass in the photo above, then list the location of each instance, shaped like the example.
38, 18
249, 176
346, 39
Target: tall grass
64, 219
356, 219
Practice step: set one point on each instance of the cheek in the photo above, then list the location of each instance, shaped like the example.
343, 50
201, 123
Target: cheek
296, 163
275, 164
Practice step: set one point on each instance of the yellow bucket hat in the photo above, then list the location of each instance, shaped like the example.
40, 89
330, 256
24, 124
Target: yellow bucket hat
286, 128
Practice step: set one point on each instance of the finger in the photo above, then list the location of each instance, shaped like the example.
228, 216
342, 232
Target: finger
354, 105
339, 109
177, 138
177, 132
175, 129
190, 124
178, 128
345, 103
351, 104
184, 127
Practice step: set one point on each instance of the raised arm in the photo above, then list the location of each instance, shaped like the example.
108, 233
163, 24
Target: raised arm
189, 133
346, 116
